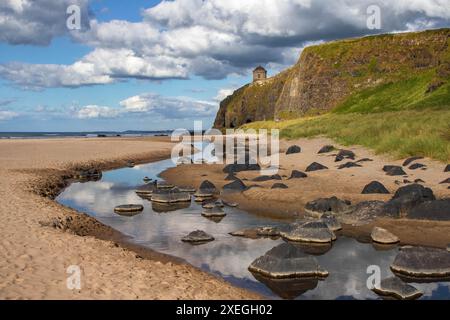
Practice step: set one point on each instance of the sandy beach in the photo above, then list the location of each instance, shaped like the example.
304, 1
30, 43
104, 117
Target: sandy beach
345, 183
34, 256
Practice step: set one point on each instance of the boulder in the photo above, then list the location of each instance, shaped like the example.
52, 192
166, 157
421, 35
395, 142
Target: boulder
415, 190
395, 287
315, 166
383, 236
295, 174
235, 167
445, 181
349, 164
286, 261
198, 237
326, 149
327, 205
394, 170
447, 168
330, 220
421, 263
431, 210
279, 186
293, 149
375, 187
416, 166
345, 154
313, 231
236, 185
410, 160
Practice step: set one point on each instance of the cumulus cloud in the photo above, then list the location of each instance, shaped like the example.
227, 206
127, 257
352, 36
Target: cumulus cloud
7, 115
94, 112
36, 22
223, 93
208, 38
169, 107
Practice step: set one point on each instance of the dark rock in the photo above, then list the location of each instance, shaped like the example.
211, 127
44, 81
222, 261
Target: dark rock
207, 187
364, 160
431, 210
169, 207
394, 170
170, 196
447, 168
230, 177
327, 205
313, 231
267, 178
198, 237
367, 211
406, 181
279, 186
330, 220
375, 187
407, 197
286, 261
345, 154
445, 181
326, 149
422, 263
293, 149
315, 166
349, 165
288, 288
425, 194
419, 181
395, 287
235, 167
297, 174
416, 166
409, 160
236, 185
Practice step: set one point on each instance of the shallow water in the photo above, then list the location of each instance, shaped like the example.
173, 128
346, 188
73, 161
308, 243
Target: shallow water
228, 256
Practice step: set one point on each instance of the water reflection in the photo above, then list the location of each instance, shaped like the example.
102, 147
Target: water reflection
161, 227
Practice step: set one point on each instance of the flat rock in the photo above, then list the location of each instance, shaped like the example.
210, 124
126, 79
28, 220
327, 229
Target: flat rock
367, 211
279, 186
410, 160
438, 210
330, 220
422, 263
326, 149
267, 178
395, 287
416, 166
236, 185
394, 170
258, 232
364, 160
124, 208
349, 164
313, 231
287, 261
375, 187
383, 236
293, 149
170, 196
197, 236
146, 190
315, 166
214, 212
295, 174
327, 205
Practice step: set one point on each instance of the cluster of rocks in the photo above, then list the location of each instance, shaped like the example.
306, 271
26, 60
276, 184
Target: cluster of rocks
89, 175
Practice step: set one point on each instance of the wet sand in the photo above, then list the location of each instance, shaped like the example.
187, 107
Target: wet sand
345, 183
40, 238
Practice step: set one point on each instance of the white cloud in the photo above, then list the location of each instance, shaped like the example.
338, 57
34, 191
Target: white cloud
94, 112
7, 115
223, 93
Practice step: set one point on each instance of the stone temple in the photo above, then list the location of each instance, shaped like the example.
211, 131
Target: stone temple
259, 74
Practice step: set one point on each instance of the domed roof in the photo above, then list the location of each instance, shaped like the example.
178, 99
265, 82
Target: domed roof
259, 68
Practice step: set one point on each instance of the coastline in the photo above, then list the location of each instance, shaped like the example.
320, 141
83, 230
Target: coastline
38, 248
288, 204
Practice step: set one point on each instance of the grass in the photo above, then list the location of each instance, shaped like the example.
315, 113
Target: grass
401, 134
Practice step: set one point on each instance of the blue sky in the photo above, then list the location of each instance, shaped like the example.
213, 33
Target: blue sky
151, 65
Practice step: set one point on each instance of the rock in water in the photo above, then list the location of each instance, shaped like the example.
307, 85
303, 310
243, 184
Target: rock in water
326, 149
279, 186
236, 185
286, 261
198, 237
422, 263
375, 187
349, 165
315, 166
416, 166
170, 196
214, 212
409, 160
295, 174
128, 208
383, 236
314, 231
447, 168
330, 220
396, 288
293, 149
327, 205
438, 210
394, 170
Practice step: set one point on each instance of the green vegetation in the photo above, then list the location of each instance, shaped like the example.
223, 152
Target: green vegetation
401, 133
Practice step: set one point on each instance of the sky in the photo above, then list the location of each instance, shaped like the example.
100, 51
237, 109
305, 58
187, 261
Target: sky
154, 65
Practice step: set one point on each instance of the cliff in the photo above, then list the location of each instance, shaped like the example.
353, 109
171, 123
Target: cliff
370, 74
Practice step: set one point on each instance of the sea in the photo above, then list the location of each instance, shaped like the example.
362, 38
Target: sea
81, 134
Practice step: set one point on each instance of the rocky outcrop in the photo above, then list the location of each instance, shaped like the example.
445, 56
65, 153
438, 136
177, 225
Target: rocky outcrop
328, 75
